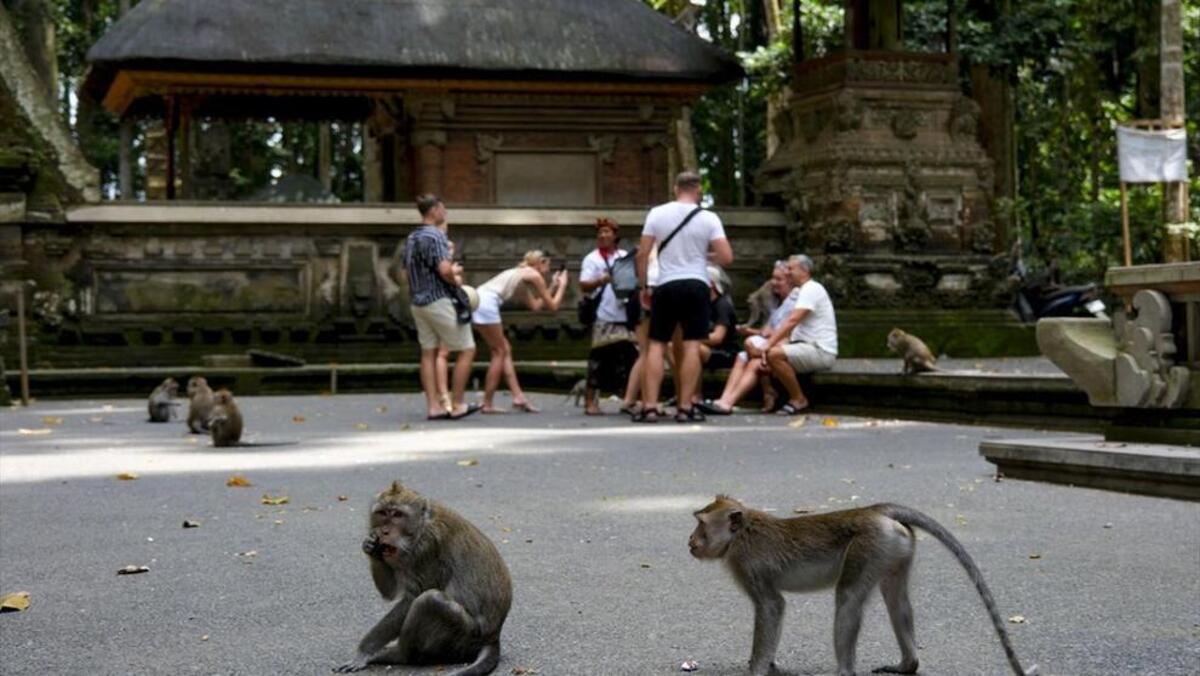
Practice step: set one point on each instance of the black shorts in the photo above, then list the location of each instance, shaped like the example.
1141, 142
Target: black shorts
680, 303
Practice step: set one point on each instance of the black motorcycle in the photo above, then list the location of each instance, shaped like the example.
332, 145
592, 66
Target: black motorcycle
1041, 295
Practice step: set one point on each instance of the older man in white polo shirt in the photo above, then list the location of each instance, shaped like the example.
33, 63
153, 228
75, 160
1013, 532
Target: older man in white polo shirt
807, 340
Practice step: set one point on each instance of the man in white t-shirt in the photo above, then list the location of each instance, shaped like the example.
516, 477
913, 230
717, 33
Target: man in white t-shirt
807, 340
687, 239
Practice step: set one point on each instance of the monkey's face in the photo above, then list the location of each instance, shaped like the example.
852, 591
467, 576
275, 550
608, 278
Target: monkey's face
195, 383
893, 339
394, 528
716, 526
223, 398
171, 387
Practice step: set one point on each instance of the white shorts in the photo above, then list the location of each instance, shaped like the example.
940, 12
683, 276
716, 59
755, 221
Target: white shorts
757, 341
488, 311
806, 357
437, 326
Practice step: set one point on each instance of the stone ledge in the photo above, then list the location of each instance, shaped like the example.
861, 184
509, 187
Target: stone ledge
1149, 469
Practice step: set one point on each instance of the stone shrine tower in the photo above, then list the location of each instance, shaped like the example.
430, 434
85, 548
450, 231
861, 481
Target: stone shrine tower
882, 174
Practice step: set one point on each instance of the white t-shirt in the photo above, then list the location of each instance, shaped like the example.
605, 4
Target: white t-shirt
819, 326
593, 268
686, 257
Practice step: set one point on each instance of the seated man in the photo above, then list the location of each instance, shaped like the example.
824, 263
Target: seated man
810, 331
718, 349
748, 370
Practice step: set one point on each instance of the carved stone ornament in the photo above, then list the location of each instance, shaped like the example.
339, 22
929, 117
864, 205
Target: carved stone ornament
964, 119
983, 237
848, 112
604, 146
428, 137
1146, 374
486, 146
905, 123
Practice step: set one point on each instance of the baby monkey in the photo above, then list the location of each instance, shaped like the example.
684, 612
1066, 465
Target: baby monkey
452, 589
917, 356
200, 403
162, 401
853, 551
225, 422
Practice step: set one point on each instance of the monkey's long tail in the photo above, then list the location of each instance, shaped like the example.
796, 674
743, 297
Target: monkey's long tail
911, 517
485, 662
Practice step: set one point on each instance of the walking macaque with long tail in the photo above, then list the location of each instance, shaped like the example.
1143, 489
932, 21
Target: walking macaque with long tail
852, 551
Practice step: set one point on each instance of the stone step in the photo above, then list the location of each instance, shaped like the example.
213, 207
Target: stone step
1149, 469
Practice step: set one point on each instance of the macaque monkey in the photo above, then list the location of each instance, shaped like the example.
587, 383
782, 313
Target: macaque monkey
452, 589
225, 421
762, 302
162, 401
916, 354
578, 390
853, 551
200, 406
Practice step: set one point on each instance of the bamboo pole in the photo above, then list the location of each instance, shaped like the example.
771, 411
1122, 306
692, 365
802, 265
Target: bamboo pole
1125, 224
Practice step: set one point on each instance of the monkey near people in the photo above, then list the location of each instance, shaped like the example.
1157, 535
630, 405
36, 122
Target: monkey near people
762, 302
452, 589
853, 551
225, 421
916, 354
200, 405
162, 401
578, 390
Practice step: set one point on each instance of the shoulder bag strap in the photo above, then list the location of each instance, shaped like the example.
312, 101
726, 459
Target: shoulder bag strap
674, 232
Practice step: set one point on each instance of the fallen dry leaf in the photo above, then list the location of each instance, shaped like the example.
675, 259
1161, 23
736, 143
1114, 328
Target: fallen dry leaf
362, 427
803, 510
1035, 556
33, 432
128, 476
133, 570
829, 422
405, 427
204, 637
689, 665
15, 602
381, 409
191, 524
799, 422
1017, 619
51, 420
268, 500
298, 418
343, 498
960, 519
248, 554
237, 481
645, 565
523, 671
471, 462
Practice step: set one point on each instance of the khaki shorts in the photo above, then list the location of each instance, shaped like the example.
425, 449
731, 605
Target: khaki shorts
437, 327
806, 357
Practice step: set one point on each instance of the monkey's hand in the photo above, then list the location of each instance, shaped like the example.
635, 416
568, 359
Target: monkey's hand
360, 662
372, 547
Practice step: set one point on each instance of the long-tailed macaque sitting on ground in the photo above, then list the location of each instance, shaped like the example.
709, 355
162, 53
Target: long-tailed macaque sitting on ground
451, 588
161, 404
853, 551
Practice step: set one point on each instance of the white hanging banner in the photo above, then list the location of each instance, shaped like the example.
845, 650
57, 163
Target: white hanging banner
1148, 156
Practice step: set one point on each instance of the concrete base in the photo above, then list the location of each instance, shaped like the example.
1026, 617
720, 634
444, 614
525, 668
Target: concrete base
1149, 469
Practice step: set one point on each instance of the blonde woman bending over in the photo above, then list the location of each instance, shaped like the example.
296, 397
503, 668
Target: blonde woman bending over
530, 275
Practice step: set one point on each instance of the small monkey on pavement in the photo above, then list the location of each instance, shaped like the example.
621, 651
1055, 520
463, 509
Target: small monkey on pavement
162, 401
853, 551
916, 355
225, 423
451, 587
200, 404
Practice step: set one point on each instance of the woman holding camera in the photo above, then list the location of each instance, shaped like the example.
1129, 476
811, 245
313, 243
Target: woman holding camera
530, 276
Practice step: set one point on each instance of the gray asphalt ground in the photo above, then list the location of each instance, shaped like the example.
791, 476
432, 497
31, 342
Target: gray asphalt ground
592, 516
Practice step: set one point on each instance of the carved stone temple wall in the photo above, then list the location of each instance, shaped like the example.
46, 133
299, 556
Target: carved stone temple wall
885, 183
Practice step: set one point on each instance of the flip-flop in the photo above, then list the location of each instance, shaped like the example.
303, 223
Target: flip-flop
710, 407
593, 412
440, 416
690, 415
789, 409
526, 407
645, 416
471, 409
631, 409
492, 411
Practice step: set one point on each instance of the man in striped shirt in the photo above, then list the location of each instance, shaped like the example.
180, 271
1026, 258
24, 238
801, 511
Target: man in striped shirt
431, 275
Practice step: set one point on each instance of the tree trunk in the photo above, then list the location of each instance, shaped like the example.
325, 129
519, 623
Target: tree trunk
125, 142
324, 156
38, 37
1175, 245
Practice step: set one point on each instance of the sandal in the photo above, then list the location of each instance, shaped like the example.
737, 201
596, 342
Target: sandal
693, 414
631, 409
791, 409
526, 407
596, 412
710, 407
471, 409
649, 415
440, 416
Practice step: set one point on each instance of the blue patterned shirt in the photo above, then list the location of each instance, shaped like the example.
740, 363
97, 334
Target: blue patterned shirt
427, 247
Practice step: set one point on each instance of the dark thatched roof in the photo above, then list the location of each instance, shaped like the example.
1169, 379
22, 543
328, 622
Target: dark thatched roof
607, 40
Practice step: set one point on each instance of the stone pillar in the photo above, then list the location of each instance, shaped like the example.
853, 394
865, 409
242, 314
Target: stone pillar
324, 156
428, 146
372, 166
156, 160
1175, 244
